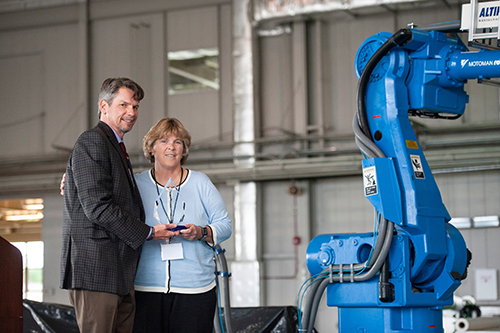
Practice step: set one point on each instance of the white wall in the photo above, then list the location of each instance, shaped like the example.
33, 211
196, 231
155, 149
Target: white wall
52, 240
131, 46
469, 195
41, 88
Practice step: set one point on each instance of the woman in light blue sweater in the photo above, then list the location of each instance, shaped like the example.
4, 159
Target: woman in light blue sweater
175, 280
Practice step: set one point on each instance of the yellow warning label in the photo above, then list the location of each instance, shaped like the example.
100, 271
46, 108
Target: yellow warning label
412, 144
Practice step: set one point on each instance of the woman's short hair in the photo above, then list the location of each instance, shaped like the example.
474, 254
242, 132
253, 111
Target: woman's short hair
163, 128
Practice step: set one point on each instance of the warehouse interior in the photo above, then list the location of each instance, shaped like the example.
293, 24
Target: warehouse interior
267, 90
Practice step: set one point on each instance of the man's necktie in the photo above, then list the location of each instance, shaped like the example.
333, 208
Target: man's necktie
124, 150
129, 165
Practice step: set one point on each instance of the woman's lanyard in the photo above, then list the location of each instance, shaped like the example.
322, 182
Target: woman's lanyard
170, 217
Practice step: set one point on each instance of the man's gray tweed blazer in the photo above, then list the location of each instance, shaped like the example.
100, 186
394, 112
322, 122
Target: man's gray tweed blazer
103, 216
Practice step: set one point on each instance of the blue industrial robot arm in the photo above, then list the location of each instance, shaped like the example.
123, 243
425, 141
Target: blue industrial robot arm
400, 277
412, 77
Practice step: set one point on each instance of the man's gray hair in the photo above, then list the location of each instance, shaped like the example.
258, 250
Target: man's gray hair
111, 86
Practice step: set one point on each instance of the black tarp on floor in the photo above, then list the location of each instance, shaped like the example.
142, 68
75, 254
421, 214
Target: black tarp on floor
48, 318
57, 318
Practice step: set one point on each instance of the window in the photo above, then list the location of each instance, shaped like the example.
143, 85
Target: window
21, 225
21, 219
193, 70
32, 253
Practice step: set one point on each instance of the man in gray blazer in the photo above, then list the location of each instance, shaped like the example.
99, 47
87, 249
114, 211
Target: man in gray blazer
103, 217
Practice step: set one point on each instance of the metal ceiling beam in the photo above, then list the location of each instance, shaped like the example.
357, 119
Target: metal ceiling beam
270, 10
447, 149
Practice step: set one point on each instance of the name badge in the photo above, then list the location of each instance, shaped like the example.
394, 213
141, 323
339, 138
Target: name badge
171, 251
